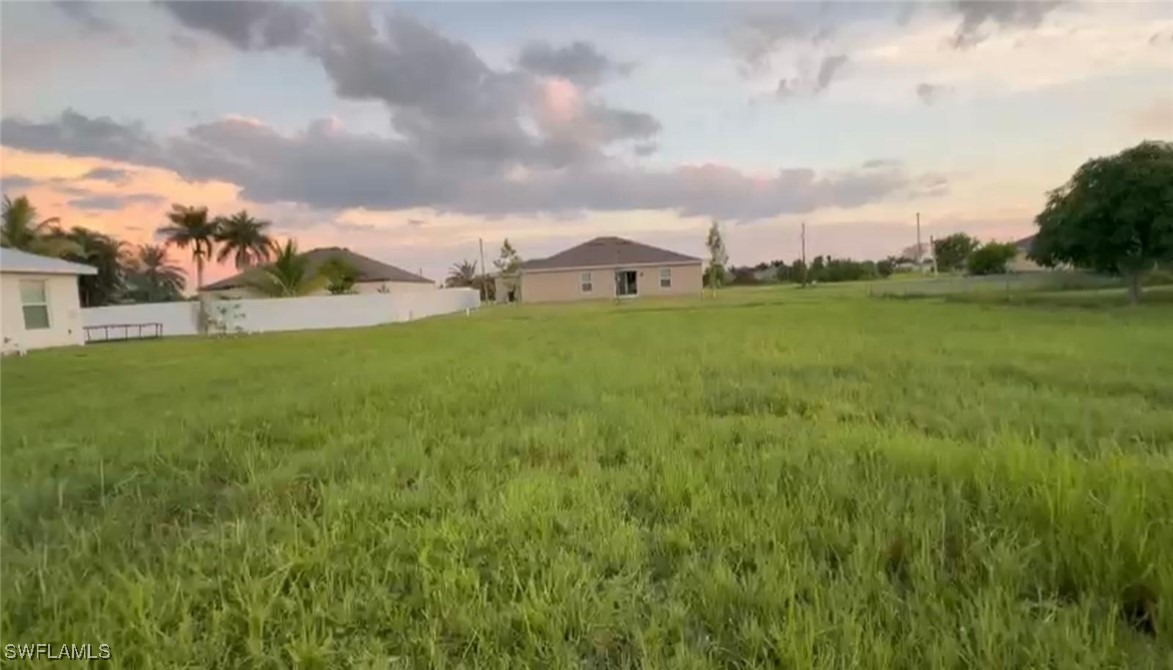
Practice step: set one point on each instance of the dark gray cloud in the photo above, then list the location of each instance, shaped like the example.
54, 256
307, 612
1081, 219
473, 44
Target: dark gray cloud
579, 62
85, 14
79, 135
327, 168
468, 137
645, 148
932, 93
980, 17
755, 39
185, 42
352, 227
443, 99
16, 182
785, 89
246, 24
827, 70
116, 202
109, 174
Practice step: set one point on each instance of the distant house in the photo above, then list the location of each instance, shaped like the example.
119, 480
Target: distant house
373, 276
1020, 262
605, 267
40, 301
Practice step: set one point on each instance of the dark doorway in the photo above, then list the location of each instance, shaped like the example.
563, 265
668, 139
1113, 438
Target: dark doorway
625, 283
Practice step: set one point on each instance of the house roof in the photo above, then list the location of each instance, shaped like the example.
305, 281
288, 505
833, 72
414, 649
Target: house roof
606, 252
369, 269
15, 260
1025, 244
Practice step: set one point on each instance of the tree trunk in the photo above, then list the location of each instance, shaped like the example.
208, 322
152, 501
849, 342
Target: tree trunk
201, 307
1134, 288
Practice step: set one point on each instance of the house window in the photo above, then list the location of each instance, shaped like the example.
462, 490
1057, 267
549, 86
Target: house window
665, 277
35, 304
585, 281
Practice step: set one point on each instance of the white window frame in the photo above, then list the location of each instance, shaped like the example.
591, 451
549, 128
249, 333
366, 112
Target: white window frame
586, 282
43, 304
665, 275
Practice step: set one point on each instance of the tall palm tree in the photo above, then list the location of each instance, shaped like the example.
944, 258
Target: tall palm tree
21, 230
462, 274
288, 275
155, 277
107, 254
190, 227
244, 239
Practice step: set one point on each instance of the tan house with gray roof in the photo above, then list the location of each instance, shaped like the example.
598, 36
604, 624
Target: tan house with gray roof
372, 276
606, 267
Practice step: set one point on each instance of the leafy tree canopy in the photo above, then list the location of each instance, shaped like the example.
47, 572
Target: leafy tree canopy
1115, 215
952, 251
991, 258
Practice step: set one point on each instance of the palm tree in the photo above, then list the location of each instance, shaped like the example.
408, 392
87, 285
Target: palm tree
340, 276
288, 275
21, 230
155, 277
190, 227
462, 274
244, 239
107, 254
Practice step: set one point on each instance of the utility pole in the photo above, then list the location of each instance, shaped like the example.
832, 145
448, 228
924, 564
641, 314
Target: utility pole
919, 253
484, 287
804, 269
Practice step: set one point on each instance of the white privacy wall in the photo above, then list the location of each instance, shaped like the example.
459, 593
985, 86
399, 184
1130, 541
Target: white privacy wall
178, 318
276, 314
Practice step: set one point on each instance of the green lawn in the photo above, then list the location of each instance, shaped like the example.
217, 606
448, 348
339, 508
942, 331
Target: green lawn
778, 478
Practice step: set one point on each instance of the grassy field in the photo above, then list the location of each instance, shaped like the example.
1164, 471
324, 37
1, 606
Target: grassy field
778, 478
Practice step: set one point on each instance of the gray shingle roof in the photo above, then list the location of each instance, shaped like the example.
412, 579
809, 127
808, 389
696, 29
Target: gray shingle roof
15, 260
369, 269
605, 252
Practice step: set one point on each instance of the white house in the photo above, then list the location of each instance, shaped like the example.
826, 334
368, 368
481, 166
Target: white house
39, 304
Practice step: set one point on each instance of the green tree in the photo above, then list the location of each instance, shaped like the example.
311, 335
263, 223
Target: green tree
21, 230
107, 254
288, 276
462, 274
244, 239
952, 251
191, 228
799, 271
153, 277
718, 258
340, 276
991, 258
1115, 215
508, 264
782, 272
886, 267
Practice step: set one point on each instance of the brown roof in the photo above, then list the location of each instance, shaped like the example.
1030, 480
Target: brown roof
369, 269
605, 252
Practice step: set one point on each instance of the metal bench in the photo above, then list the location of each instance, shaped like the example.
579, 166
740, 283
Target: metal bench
118, 332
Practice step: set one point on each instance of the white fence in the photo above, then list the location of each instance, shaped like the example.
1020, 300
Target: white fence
274, 314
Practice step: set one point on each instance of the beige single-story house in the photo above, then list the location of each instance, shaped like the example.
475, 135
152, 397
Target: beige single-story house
373, 276
1020, 263
40, 301
605, 267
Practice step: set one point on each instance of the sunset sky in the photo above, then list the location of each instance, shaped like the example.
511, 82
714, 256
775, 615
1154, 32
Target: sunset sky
407, 131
